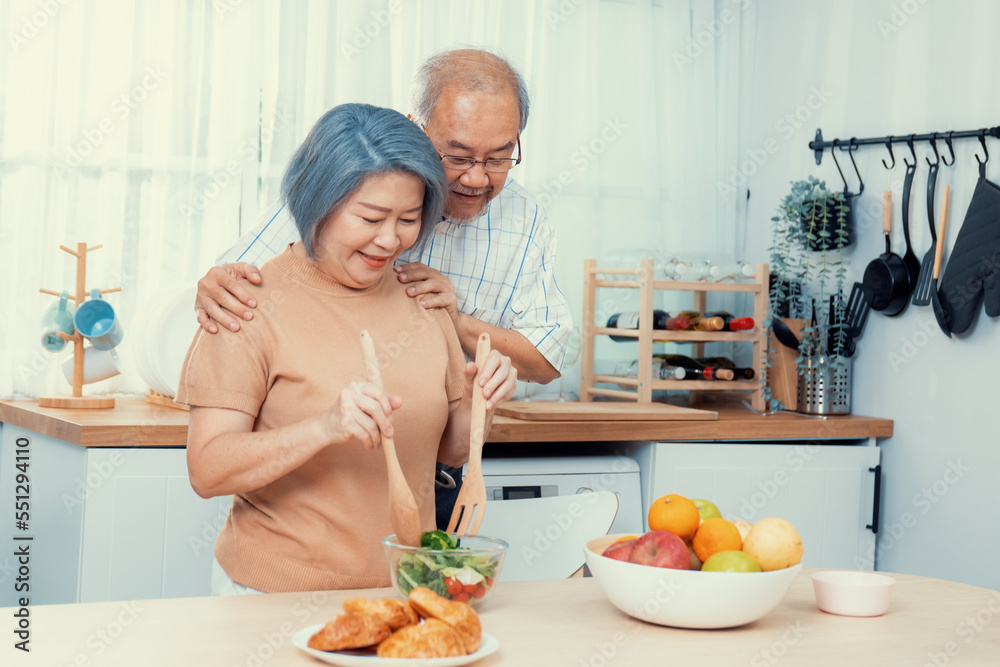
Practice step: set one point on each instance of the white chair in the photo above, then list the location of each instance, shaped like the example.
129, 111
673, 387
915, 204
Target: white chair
547, 535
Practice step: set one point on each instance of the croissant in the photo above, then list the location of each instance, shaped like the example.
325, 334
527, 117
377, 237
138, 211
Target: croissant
350, 631
397, 613
460, 616
430, 639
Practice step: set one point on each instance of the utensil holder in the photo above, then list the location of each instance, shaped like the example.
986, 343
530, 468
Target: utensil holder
825, 386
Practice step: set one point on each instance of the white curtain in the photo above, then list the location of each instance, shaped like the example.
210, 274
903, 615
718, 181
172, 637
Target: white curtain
160, 130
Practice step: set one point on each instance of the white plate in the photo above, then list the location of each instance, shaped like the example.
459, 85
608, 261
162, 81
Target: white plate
368, 658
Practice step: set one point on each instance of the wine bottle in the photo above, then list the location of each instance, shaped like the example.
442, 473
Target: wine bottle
694, 367
732, 323
661, 371
725, 362
700, 322
661, 320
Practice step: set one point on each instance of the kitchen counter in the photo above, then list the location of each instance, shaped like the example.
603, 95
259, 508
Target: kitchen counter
136, 423
564, 622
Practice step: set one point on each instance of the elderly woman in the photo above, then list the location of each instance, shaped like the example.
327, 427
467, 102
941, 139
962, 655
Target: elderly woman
281, 415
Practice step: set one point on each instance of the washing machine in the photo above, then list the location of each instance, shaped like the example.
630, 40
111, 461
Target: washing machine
539, 477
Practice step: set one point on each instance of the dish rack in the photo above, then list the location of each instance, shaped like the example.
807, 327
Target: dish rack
642, 279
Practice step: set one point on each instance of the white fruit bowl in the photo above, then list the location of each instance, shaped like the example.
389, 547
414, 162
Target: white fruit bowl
686, 598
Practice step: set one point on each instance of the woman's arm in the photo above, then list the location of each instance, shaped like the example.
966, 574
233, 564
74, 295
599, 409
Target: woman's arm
225, 456
497, 382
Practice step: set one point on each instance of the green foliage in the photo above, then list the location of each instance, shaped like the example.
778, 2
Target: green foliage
808, 237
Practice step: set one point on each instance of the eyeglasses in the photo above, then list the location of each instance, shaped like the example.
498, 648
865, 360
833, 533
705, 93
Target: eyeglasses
492, 165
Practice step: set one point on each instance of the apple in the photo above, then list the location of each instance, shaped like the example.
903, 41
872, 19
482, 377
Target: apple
706, 509
731, 561
695, 561
620, 550
661, 549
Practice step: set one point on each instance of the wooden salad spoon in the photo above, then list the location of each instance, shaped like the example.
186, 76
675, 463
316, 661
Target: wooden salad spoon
403, 511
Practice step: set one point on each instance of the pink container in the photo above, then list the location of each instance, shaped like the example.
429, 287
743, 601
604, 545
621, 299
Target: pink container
852, 593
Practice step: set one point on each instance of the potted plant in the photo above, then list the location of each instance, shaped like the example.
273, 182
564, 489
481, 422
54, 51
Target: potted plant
811, 228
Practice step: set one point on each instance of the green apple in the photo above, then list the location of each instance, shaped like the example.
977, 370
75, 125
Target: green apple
730, 561
706, 509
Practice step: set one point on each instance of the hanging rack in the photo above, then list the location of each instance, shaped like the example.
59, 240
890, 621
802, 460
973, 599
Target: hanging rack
818, 145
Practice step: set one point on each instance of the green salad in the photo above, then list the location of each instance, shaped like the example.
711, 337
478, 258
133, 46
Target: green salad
453, 575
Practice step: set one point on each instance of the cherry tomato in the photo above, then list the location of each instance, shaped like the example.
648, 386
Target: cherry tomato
453, 585
460, 597
470, 588
489, 582
479, 592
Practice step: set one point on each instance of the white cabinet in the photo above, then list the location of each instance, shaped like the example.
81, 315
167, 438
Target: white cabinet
826, 490
110, 523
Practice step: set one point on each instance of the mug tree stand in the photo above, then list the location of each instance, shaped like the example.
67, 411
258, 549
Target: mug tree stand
77, 399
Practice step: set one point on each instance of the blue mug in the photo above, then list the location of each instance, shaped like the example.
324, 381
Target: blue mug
59, 317
95, 320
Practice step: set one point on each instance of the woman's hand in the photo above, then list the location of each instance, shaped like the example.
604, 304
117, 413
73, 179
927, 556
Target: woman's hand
498, 379
361, 412
220, 296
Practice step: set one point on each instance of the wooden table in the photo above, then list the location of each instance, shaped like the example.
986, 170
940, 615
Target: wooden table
566, 622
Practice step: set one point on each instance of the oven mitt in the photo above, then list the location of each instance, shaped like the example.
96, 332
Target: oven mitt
973, 272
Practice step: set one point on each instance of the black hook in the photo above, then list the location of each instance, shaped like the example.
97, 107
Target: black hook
951, 149
909, 142
888, 144
982, 140
833, 152
937, 162
850, 152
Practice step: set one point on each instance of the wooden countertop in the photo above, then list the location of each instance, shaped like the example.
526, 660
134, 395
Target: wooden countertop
564, 622
136, 423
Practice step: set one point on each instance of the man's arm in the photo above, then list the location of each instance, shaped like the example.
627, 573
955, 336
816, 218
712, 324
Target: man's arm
531, 364
433, 290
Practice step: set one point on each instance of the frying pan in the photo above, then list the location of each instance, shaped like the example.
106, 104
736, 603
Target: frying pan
886, 281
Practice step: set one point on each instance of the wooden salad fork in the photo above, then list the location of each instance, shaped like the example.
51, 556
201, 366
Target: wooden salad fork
470, 507
403, 511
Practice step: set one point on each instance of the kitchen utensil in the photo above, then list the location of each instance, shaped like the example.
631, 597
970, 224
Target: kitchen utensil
839, 342
97, 365
784, 335
848, 593
909, 258
470, 507
942, 318
58, 319
856, 312
886, 281
696, 599
972, 278
922, 290
95, 319
403, 511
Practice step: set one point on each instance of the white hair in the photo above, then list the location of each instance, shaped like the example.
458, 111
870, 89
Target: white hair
469, 69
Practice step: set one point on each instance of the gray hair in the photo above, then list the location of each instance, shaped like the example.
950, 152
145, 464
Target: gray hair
349, 144
469, 69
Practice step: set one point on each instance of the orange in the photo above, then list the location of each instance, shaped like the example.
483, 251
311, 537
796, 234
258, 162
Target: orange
675, 514
626, 538
716, 535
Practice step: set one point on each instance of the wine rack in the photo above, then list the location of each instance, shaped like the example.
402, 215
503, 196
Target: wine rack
642, 279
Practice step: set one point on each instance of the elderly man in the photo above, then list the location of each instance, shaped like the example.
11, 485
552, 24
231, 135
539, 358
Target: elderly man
490, 262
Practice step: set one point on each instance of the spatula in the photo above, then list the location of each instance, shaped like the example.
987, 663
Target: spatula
403, 511
942, 317
856, 311
470, 507
922, 292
